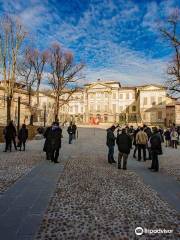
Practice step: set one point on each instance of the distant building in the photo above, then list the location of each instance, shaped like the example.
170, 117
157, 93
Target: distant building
99, 102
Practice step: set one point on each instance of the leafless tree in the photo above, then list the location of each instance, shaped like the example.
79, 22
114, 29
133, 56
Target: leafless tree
12, 35
27, 77
38, 60
64, 73
171, 34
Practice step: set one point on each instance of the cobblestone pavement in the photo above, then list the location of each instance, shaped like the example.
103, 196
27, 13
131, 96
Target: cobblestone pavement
95, 200
170, 162
15, 164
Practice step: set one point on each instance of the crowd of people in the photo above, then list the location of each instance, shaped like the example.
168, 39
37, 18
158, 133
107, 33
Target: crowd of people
147, 142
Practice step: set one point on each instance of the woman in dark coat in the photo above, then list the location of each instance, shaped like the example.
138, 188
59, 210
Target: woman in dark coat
23, 136
47, 146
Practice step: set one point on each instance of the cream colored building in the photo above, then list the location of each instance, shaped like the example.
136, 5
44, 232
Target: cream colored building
100, 102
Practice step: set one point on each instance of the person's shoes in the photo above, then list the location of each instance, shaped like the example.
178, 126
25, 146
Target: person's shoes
113, 161
134, 156
125, 168
154, 170
56, 162
5, 151
150, 168
139, 160
110, 162
119, 167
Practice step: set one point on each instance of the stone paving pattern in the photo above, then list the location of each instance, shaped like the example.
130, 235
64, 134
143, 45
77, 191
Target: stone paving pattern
16, 164
95, 200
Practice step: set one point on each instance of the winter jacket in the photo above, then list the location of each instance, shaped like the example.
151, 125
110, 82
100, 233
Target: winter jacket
70, 130
141, 138
110, 138
124, 143
155, 142
23, 134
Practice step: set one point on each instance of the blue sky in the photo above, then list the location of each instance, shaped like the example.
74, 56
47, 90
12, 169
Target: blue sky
117, 39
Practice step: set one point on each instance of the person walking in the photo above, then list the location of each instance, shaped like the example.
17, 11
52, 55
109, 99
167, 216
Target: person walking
110, 142
70, 131
141, 141
174, 138
167, 136
23, 136
54, 140
10, 135
156, 149
124, 144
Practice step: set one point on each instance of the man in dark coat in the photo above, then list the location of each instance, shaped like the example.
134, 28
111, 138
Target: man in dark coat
70, 131
54, 140
110, 142
156, 149
10, 135
124, 144
74, 127
23, 136
47, 146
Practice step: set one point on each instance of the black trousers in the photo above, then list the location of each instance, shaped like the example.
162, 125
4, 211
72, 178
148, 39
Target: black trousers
8, 145
155, 162
143, 148
55, 155
22, 143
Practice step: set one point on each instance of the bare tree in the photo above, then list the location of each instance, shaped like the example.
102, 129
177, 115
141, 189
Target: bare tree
12, 36
171, 34
27, 77
64, 73
38, 60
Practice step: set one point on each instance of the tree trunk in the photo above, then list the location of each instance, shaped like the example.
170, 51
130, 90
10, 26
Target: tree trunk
31, 120
29, 96
9, 101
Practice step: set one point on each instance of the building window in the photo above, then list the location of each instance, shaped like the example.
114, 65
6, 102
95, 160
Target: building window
120, 108
91, 108
106, 108
121, 95
114, 95
145, 101
98, 108
114, 108
153, 101
133, 108
160, 100
106, 95
76, 108
159, 115
127, 95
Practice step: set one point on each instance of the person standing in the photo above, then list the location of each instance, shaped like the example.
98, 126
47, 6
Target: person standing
70, 132
47, 146
148, 131
23, 136
74, 127
141, 141
174, 138
167, 136
156, 149
10, 135
54, 138
124, 144
110, 142
134, 142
